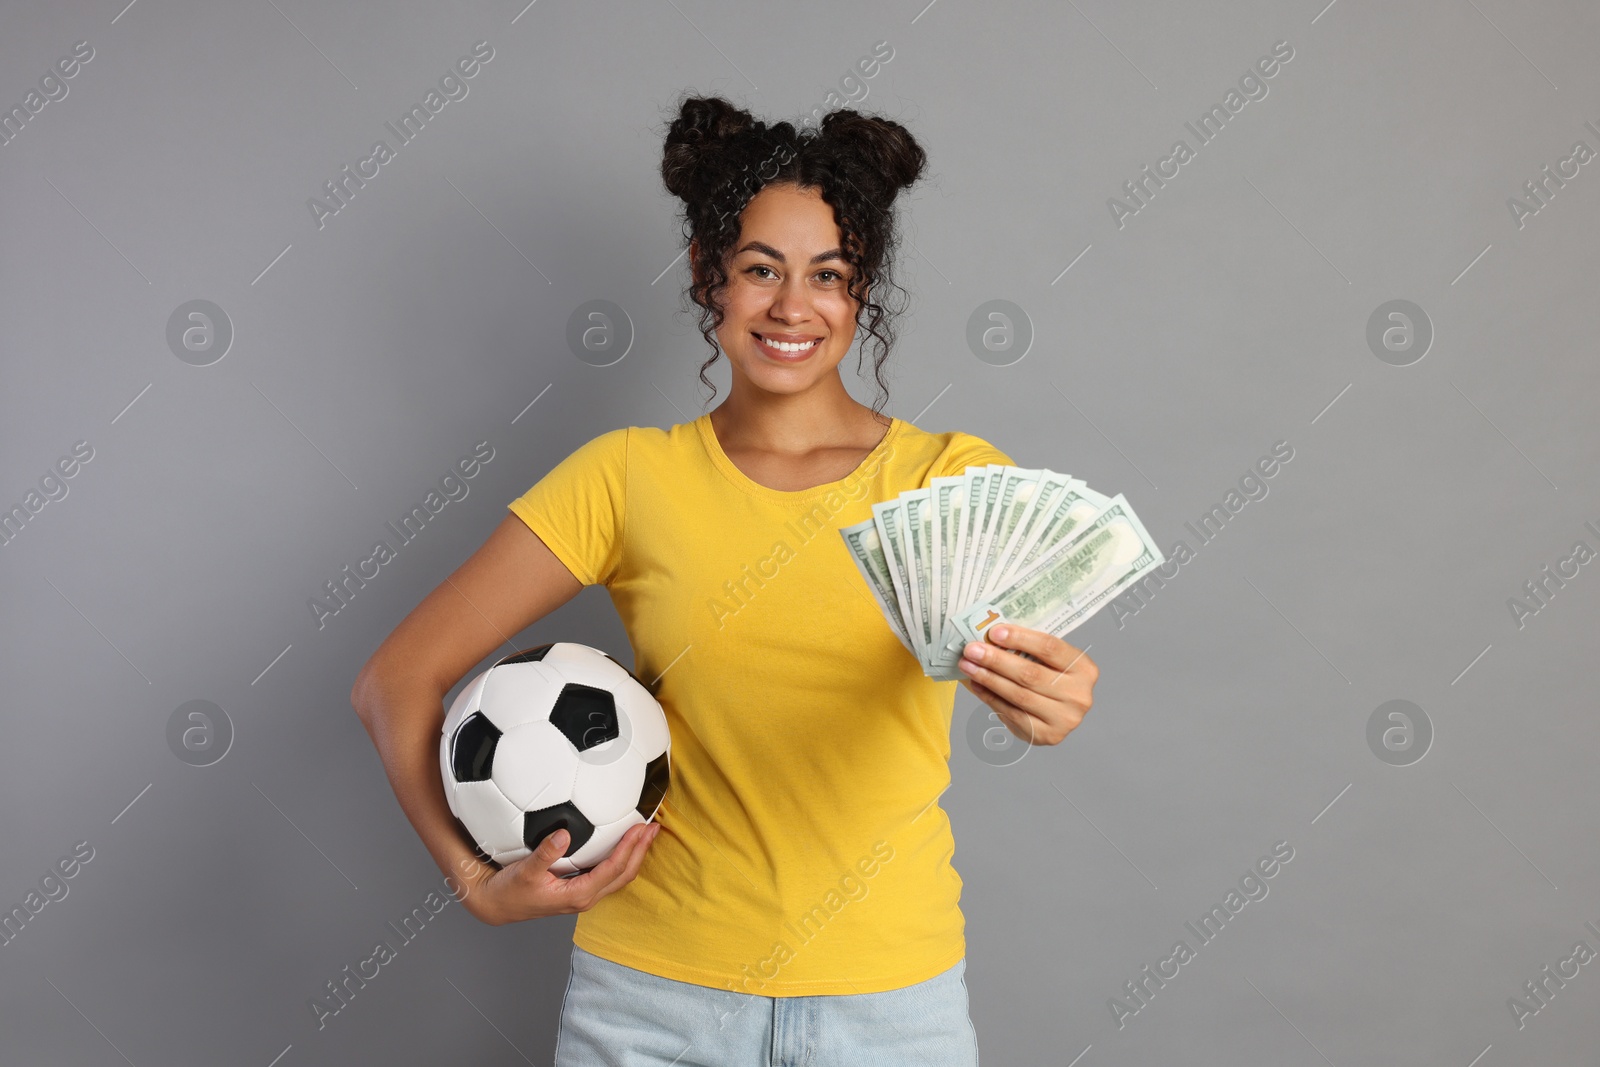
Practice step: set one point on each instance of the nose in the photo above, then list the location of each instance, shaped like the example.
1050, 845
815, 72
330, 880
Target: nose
791, 303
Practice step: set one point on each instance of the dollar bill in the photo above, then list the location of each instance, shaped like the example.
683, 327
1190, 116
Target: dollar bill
917, 519
1067, 512
972, 488
1071, 582
866, 550
983, 502
1014, 495
948, 494
888, 514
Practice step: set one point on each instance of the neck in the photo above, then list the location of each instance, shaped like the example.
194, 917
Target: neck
795, 423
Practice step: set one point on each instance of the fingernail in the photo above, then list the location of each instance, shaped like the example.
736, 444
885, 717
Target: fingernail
998, 632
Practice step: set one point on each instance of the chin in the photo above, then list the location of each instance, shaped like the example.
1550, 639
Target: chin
778, 380
780, 377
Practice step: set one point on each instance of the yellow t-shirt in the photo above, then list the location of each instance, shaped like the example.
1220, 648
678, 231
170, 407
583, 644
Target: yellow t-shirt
802, 850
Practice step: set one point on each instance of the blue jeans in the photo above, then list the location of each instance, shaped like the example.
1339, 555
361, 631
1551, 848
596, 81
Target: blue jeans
616, 1016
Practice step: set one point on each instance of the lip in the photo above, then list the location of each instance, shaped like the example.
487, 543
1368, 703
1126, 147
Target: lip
785, 357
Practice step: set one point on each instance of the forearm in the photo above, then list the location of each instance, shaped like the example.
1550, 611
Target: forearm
403, 716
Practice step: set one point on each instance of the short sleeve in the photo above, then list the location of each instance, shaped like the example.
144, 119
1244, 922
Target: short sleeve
964, 450
577, 509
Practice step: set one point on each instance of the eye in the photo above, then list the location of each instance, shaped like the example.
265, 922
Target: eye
835, 276
758, 266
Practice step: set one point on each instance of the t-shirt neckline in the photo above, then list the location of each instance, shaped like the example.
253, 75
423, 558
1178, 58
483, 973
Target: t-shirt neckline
739, 478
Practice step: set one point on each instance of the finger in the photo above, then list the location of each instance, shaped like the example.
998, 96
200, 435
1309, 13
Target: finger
1047, 648
1021, 724
1022, 672
628, 862
1012, 679
1049, 717
591, 884
635, 861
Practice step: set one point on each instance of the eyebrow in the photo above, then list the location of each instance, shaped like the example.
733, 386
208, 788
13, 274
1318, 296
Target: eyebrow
766, 249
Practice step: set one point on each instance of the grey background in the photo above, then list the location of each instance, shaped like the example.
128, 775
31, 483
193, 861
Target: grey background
1228, 314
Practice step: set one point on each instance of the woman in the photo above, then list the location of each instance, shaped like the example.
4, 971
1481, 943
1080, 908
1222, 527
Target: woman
794, 898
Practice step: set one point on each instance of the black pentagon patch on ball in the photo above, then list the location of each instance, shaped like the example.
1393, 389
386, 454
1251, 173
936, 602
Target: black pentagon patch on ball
657, 776
588, 716
538, 825
527, 655
472, 750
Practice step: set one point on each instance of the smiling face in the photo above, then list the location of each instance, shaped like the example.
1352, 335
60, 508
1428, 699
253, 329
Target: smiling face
788, 318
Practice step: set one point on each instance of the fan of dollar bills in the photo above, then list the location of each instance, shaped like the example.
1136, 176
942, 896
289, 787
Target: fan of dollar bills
995, 544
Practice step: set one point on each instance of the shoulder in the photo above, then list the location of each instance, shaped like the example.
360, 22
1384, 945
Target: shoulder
611, 444
648, 447
951, 451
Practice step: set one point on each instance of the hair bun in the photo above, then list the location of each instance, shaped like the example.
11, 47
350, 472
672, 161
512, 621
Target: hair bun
891, 155
706, 127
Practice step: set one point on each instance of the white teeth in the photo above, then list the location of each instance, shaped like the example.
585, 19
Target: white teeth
785, 347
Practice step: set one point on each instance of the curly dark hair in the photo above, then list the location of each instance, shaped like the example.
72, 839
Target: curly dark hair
717, 157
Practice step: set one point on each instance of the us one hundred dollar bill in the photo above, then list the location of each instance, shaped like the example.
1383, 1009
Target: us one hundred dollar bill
996, 543
1072, 581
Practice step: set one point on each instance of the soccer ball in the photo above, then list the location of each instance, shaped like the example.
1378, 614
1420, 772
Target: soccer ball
560, 736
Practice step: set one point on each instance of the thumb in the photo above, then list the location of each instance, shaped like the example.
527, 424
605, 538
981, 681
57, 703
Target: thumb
537, 863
